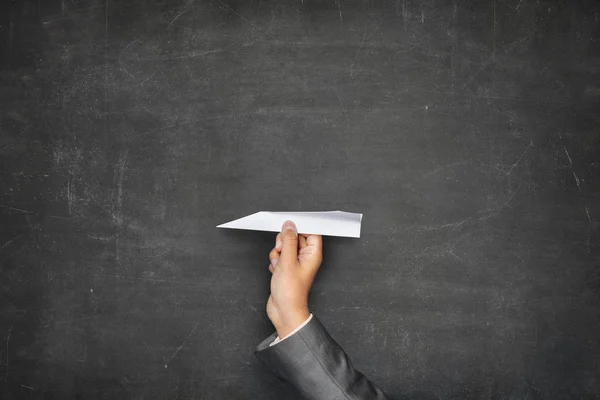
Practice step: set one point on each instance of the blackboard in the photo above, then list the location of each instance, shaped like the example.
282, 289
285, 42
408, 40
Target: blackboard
467, 133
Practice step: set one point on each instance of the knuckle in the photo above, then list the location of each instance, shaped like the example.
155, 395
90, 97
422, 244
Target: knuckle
290, 235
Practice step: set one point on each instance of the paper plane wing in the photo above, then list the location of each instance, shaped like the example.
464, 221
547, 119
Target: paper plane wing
327, 223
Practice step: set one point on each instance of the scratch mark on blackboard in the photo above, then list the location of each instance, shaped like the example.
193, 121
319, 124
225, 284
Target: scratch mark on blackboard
69, 321
131, 43
519, 5
520, 158
245, 19
476, 217
224, 378
588, 240
182, 344
492, 211
449, 225
362, 41
442, 168
127, 72
453, 254
146, 80
568, 156
340, 10
494, 34
84, 357
69, 194
105, 68
16, 209
164, 252
251, 306
7, 339
118, 214
577, 182
27, 387
546, 299
588, 215
156, 280
345, 113
191, 55
491, 60
533, 387
404, 14
175, 19
172, 57
18, 236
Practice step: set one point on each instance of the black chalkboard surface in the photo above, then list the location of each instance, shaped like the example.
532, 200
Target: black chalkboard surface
467, 133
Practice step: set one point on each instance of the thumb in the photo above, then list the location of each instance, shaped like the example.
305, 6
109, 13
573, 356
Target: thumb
289, 237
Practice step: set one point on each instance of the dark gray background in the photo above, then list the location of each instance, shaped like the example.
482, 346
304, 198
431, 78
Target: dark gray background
468, 134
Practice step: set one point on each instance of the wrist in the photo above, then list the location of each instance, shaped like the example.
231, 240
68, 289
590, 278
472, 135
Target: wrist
291, 321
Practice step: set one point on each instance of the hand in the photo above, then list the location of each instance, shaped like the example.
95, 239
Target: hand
295, 260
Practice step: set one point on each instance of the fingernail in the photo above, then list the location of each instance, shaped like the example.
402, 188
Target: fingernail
278, 244
274, 262
290, 225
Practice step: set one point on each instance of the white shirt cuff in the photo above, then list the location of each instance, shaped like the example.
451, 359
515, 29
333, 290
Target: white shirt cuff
277, 340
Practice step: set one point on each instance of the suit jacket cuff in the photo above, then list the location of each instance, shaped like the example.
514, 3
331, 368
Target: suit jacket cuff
315, 365
277, 339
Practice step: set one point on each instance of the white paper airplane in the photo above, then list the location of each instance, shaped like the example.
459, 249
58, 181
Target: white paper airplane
327, 223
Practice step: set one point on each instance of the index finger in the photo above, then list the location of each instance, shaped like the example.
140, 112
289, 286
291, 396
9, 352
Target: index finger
315, 240
302, 240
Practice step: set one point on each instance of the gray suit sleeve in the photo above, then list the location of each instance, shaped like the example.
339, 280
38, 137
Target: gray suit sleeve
314, 364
